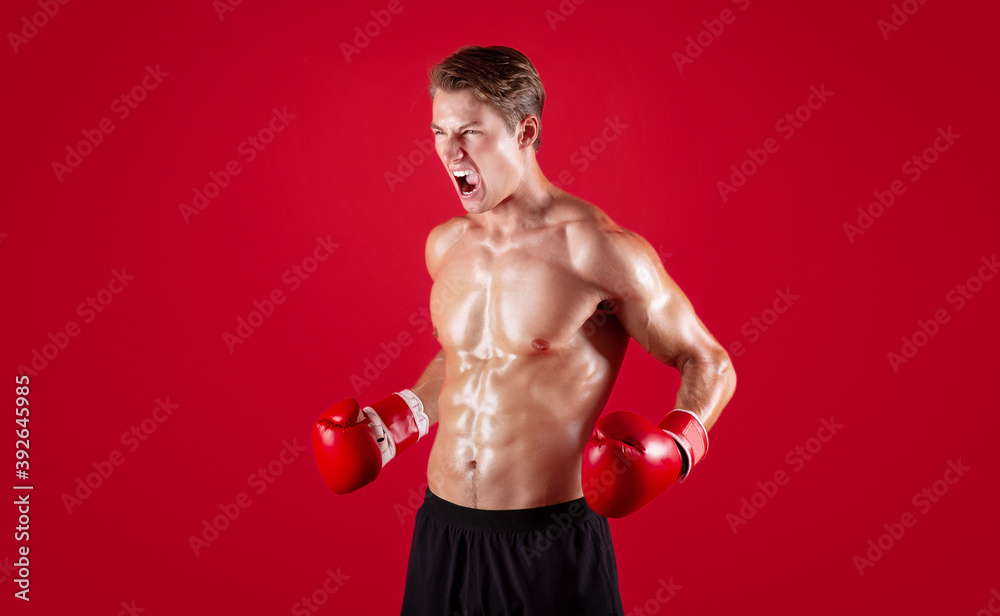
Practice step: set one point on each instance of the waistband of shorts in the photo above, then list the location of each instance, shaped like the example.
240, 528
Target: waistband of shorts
507, 520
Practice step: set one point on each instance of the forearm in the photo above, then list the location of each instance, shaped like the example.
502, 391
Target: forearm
707, 383
428, 386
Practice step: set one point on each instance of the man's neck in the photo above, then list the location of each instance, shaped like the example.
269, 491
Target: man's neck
525, 208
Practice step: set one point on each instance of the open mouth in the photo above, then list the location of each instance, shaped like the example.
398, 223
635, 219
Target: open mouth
468, 182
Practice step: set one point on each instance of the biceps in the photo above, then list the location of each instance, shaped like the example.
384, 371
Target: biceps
664, 323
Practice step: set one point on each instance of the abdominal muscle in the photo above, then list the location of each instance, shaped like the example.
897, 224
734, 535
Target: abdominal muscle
512, 428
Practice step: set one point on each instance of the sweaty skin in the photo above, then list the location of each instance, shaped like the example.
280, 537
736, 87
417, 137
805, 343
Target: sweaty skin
536, 294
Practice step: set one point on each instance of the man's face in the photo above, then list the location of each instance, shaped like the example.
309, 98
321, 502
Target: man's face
472, 140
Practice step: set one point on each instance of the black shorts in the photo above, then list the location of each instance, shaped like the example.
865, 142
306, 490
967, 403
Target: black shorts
548, 560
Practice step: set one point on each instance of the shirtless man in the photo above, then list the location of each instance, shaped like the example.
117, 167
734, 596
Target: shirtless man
536, 294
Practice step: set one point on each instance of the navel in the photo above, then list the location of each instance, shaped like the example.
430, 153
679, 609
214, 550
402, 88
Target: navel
540, 345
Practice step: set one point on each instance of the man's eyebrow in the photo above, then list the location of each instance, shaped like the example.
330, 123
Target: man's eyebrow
466, 125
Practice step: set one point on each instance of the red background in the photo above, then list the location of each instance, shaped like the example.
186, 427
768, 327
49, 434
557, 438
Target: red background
324, 175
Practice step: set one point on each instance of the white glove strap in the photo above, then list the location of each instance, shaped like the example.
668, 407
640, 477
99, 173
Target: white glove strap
385, 442
417, 407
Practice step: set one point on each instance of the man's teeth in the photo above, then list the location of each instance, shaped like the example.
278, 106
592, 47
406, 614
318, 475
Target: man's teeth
462, 173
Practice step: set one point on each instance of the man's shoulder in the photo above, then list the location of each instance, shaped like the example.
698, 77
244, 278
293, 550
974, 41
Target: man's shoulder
440, 240
601, 250
578, 220
454, 226
589, 228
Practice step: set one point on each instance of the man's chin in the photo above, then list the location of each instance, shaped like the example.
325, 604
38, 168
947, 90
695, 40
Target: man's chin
476, 205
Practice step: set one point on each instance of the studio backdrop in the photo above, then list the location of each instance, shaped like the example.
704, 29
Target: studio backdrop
213, 227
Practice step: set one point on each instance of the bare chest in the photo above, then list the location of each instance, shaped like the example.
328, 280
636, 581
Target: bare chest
525, 300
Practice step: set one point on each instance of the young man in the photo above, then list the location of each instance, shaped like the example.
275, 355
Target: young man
536, 294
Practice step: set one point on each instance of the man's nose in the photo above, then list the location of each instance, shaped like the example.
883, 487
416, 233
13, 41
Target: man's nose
452, 152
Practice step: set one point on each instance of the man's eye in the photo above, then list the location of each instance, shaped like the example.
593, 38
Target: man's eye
438, 132
471, 132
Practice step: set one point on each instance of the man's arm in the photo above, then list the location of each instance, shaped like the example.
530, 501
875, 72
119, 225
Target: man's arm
428, 386
659, 317
644, 459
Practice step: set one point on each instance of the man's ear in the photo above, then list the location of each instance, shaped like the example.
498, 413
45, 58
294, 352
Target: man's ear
527, 131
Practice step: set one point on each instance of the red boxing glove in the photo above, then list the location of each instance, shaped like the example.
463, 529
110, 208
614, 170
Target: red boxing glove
352, 444
629, 460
